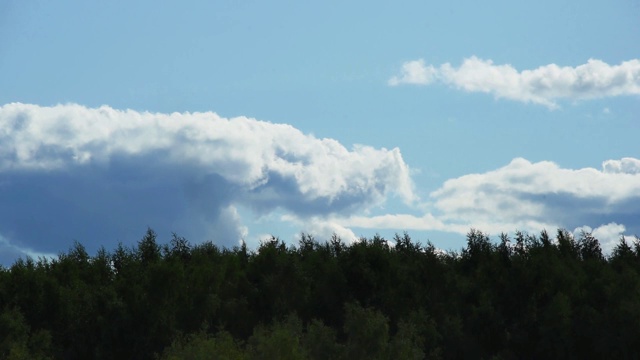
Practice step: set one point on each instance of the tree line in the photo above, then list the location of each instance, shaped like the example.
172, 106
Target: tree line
521, 297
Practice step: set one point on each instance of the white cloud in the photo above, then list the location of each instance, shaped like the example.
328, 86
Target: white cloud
323, 228
544, 85
243, 151
415, 72
70, 164
608, 234
541, 191
530, 197
73, 173
430, 222
397, 222
624, 166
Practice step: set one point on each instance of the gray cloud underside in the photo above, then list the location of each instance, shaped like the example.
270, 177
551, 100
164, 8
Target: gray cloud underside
102, 175
544, 85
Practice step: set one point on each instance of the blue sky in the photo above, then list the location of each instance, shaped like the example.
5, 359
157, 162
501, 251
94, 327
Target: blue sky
234, 120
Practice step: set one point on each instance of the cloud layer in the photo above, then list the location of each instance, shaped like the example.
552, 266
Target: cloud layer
530, 197
544, 192
544, 85
102, 175
68, 167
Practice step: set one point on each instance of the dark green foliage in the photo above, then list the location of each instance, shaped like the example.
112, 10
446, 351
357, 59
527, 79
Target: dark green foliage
523, 297
201, 346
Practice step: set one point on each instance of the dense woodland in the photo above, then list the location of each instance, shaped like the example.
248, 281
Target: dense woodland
531, 296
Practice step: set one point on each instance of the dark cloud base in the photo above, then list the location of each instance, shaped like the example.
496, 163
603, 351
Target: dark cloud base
573, 211
103, 206
284, 192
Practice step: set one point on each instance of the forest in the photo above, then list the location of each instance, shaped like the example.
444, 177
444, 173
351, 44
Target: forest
524, 296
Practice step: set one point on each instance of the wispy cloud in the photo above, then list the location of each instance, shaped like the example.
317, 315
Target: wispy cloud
544, 85
100, 174
9, 252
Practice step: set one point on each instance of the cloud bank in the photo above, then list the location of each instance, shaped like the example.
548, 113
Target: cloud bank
101, 175
546, 193
530, 197
544, 85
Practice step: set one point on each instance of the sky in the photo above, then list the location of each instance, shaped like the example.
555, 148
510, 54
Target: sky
233, 121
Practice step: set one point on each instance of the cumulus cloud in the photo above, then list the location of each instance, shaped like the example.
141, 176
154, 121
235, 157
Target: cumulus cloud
543, 192
69, 172
623, 166
530, 197
543, 85
608, 234
415, 72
